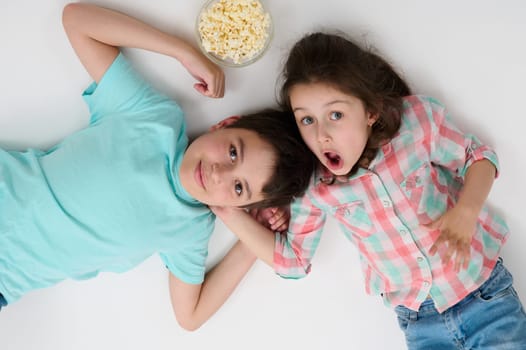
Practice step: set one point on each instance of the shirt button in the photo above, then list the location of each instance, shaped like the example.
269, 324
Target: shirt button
426, 283
403, 232
386, 203
419, 259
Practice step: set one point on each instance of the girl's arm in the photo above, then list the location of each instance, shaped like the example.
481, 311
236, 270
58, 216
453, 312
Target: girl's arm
194, 304
288, 253
258, 238
458, 224
97, 33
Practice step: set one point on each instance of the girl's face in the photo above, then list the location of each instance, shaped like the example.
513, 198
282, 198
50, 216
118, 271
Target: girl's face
333, 124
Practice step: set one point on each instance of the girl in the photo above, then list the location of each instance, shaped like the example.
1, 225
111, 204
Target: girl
407, 188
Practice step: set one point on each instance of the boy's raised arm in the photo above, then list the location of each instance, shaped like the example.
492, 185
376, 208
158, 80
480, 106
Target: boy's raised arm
96, 34
194, 304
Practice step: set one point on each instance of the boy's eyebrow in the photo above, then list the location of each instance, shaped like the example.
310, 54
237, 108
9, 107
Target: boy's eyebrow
241, 156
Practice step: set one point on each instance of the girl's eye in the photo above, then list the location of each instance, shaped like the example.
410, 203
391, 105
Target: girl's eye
238, 188
306, 120
336, 116
232, 153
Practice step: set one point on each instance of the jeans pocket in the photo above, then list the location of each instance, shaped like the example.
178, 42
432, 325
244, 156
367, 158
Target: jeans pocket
402, 317
403, 323
497, 286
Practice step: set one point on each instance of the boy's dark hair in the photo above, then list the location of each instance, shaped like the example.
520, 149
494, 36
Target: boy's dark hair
341, 63
294, 161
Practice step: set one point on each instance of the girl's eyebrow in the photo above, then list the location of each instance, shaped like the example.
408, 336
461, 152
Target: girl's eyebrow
325, 105
335, 102
241, 155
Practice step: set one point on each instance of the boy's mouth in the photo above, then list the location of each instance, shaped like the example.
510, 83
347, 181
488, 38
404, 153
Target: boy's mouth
333, 161
198, 175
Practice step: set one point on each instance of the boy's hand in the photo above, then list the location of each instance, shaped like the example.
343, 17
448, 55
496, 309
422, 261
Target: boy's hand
211, 78
456, 227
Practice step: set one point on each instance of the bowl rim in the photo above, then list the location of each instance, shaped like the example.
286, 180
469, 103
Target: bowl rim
228, 62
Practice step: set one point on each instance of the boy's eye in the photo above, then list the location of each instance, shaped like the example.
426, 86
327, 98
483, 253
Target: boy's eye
232, 153
336, 116
238, 188
306, 120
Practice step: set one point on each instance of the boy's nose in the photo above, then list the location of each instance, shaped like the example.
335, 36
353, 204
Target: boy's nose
219, 172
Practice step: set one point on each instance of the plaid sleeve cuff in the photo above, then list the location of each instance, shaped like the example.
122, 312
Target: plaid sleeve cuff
286, 263
476, 152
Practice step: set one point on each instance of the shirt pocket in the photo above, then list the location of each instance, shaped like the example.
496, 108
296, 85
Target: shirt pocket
354, 218
427, 192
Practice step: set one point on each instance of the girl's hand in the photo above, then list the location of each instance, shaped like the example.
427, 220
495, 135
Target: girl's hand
211, 78
456, 227
275, 219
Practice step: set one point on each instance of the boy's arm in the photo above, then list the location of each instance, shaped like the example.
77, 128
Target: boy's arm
96, 34
194, 304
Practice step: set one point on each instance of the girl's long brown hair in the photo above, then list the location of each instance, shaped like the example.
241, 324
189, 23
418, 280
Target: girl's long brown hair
341, 63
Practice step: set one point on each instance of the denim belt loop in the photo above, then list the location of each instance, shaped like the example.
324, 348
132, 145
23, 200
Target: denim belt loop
413, 315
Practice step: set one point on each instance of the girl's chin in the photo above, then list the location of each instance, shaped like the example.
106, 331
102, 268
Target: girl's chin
337, 170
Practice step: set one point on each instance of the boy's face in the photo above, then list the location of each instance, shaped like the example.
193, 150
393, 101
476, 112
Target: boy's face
227, 167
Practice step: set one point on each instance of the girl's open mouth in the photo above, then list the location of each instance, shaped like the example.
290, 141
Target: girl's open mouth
334, 161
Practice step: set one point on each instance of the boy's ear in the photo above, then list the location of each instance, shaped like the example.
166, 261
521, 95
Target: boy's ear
225, 122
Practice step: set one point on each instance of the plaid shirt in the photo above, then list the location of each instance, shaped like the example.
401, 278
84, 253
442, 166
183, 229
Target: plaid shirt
412, 180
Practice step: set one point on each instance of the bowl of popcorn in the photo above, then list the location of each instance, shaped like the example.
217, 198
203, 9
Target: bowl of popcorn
233, 33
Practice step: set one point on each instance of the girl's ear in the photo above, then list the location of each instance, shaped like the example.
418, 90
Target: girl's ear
223, 123
371, 119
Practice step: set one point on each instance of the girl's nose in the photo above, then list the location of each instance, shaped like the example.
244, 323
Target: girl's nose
323, 135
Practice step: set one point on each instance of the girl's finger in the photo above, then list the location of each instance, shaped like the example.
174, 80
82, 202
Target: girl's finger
280, 222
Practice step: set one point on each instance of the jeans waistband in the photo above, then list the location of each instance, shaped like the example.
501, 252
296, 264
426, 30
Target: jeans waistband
428, 306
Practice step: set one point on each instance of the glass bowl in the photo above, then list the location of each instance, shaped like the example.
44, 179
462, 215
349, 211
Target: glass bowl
233, 33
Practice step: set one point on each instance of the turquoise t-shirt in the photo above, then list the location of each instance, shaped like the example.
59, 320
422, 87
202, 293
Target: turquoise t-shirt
105, 198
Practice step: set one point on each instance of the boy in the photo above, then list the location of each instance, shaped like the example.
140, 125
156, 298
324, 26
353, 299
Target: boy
127, 186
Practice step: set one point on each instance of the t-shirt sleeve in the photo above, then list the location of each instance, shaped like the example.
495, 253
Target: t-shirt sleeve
188, 261
122, 91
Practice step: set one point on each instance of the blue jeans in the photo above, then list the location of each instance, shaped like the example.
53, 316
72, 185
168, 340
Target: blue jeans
3, 302
491, 317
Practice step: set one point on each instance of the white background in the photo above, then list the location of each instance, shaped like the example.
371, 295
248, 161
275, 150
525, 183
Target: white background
470, 54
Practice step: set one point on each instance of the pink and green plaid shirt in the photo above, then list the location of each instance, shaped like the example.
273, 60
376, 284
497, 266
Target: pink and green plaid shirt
412, 181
